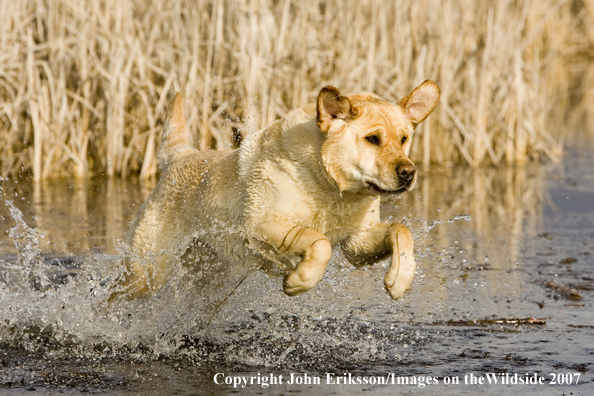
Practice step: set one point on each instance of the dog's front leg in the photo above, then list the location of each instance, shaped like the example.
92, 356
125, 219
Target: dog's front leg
377, 242
313, 246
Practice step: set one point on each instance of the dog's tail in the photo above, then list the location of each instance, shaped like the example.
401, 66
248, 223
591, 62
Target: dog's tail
176, 137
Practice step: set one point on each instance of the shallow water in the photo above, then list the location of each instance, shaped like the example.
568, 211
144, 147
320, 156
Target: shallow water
491, 244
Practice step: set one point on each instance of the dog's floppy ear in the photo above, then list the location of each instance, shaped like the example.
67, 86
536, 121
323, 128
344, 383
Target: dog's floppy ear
421, 101
332, 105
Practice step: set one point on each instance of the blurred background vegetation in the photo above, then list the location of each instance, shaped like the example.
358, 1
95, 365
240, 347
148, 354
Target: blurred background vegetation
84, 85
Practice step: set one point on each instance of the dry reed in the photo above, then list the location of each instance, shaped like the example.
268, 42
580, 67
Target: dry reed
84, 85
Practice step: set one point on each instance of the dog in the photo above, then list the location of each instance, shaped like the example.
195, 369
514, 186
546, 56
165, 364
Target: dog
310, 181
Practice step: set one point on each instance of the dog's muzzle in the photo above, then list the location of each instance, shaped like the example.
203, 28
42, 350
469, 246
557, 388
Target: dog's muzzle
406, 173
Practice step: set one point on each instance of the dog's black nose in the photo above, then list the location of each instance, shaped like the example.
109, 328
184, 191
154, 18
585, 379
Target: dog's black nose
405, 171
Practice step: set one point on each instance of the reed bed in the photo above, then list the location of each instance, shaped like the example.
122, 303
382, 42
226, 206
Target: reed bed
84, 85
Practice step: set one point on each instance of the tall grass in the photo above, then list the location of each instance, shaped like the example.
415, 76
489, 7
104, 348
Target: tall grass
84, 85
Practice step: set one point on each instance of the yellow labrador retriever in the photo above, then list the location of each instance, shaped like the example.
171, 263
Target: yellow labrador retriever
308, 182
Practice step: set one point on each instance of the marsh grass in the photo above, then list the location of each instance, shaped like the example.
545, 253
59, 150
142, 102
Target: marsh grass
84, 85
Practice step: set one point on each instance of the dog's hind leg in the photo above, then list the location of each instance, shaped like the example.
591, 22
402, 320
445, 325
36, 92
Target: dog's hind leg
159, 228
145, 276
313, 246
157, 242
377, 242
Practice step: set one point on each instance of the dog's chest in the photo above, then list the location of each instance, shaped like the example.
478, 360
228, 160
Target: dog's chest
337, 220
288, 193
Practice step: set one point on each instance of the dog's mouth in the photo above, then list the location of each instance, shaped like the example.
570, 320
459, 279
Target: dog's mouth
380, 190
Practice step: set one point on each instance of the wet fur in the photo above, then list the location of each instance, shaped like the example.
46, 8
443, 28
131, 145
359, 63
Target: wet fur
308, 182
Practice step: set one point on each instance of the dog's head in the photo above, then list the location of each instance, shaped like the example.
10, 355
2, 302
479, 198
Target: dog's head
367, 138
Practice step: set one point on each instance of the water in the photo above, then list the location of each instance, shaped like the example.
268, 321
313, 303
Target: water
509, 243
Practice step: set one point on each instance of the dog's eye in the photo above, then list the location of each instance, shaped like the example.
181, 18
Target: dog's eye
373, 139
403, 139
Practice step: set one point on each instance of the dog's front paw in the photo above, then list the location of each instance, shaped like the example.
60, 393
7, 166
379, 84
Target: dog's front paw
402, 268
400, 275
311, 270
399, 285
295, 283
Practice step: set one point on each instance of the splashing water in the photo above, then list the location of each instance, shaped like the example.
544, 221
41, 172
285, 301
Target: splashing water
211, 312
47, 299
